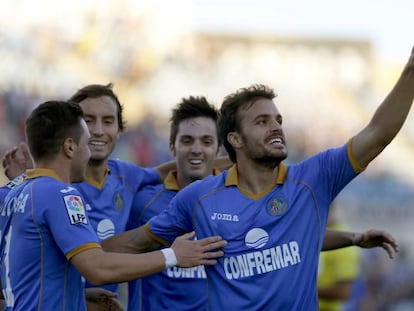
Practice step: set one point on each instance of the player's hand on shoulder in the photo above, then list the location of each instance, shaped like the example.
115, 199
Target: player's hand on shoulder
192, 253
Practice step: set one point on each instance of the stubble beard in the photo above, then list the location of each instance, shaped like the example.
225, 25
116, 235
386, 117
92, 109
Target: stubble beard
265, 158
96, 162
268, 161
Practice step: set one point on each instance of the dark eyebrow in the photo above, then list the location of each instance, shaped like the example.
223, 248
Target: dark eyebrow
262, 116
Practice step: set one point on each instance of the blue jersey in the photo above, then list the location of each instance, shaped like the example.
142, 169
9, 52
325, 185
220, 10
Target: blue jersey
174, 288
274, 238
43, 225
109, 205
4, 190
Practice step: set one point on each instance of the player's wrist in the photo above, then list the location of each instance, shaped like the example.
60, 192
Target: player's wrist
357, 239
170, 257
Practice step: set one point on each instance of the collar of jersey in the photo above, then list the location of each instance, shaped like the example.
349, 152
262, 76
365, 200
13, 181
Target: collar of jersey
171, 182
232, 178
39, 172
101, 183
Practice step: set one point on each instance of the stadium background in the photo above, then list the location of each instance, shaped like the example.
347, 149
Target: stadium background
330, 71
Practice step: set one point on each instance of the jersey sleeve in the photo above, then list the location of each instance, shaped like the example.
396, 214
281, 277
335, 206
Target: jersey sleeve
65, 215
176, 219
328, 172
150, 177
141, 176
4, 190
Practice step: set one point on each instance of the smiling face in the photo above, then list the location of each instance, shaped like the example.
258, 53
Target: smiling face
101, 117
261, 136
195, 148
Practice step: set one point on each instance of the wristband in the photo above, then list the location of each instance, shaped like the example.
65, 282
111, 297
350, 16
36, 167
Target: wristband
170, 258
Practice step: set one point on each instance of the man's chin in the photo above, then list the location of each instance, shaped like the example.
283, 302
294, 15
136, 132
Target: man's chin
197, 177
96, 161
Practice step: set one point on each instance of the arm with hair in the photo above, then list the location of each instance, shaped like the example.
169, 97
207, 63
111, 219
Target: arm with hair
131, 241
387, 119
102, 267
335, 239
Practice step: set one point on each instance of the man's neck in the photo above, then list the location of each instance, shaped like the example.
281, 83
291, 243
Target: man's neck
96, 171
61, 169
255, 178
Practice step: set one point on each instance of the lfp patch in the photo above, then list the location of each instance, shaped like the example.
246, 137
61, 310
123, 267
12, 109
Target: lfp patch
75, 209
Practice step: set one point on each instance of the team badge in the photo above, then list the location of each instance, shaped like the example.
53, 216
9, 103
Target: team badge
118, 201
75, 209
276, 206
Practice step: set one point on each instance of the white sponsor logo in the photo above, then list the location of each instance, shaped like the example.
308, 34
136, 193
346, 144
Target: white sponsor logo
256, 238
105, 229
75, 209
225, 217
67, 190
14, 205
261, 261
187, 273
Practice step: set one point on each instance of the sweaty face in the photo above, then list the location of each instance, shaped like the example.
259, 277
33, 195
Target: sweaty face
262, 136
195, 149
81, 157
101, 116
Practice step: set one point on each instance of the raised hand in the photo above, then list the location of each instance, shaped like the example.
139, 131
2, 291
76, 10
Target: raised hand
16, 160
377, 238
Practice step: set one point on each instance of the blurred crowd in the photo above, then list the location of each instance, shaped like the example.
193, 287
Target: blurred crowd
40, 63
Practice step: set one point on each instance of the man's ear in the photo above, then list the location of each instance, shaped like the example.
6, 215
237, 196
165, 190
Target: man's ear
69, 147
235, 140
218, 150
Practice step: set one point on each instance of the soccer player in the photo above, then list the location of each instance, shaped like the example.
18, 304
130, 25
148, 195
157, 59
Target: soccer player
110, 184
273, 216
194, 143
47, 242
337, 272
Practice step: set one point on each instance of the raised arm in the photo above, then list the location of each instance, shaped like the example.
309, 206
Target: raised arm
387, 120
335, 239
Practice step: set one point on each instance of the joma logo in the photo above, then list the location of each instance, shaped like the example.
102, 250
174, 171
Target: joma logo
225, 217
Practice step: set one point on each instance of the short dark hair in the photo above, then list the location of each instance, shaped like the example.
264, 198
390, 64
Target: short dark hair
229, 121
192, 107
49, 124
98, 90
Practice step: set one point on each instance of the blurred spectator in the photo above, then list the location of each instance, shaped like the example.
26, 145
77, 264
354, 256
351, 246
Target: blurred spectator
338, 270
390, 285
